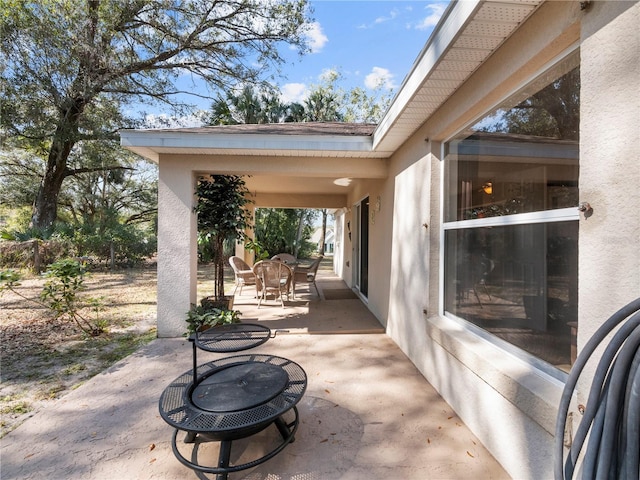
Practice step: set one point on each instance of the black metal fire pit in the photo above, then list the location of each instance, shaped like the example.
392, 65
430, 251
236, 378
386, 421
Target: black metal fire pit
234, 398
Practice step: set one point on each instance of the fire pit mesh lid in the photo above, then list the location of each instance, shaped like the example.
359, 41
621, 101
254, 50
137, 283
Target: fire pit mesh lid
177, 409
232, 338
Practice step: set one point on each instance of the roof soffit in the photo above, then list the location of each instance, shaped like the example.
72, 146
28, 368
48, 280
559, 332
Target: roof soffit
468, 34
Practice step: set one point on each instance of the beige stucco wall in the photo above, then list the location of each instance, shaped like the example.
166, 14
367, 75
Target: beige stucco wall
379, 242
609, 268
177, 256
507, 402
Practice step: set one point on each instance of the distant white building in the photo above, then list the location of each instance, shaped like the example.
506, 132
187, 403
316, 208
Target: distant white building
329, 240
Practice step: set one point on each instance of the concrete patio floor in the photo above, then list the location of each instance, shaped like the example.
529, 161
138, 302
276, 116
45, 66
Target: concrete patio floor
367, 412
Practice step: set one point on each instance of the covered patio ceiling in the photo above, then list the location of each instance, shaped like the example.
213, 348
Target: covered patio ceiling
324, 158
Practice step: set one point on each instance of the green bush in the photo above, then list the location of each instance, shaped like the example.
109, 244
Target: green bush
130, 243
65, 280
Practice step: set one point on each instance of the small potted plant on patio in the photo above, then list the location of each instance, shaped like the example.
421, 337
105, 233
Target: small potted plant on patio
201, 318
222, 217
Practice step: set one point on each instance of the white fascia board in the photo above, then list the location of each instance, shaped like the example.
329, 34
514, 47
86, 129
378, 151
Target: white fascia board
150, 140
446, 33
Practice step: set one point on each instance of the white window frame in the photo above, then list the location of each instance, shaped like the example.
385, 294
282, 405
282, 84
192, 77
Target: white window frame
546, 216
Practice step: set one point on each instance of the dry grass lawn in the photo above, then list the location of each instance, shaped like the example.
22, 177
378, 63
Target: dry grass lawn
43, 358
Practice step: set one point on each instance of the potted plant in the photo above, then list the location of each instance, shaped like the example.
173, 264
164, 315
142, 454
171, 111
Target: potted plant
222, 217
201, 318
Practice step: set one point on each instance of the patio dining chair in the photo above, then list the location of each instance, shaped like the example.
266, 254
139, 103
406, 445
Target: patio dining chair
272, 277
285, 258
243, 273
307, 274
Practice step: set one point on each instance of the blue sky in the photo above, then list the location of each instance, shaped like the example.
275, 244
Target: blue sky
367, 41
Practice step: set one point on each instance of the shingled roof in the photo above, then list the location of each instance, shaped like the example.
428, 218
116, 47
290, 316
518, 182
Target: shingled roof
301, 128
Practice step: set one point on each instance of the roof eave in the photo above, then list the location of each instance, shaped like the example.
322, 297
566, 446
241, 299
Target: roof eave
453, 53
151, 144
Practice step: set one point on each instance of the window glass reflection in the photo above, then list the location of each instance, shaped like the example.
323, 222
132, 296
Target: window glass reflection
496, 174
518, 280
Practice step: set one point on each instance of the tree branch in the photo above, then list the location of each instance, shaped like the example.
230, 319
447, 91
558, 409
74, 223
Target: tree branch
69, 172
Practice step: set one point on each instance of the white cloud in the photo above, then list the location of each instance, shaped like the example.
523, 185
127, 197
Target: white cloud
379, 77
431, 20
293, 92
329, 75
315, 37
392, 14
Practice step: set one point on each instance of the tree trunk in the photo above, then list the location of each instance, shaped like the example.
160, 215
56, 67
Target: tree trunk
323, 236
218, 267
45, 208
296, 247
112, 251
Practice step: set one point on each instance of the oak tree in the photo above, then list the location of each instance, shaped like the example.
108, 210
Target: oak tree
65, 61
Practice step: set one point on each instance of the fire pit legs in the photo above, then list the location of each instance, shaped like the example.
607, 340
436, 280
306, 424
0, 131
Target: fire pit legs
287, 431
223, 459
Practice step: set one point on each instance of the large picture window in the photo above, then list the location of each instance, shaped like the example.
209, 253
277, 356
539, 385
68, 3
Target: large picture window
510, 218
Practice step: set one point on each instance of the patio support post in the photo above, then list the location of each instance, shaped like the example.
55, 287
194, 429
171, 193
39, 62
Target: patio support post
248, 255
177, 247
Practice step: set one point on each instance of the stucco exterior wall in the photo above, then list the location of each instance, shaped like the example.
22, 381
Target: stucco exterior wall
177, 255
379, 242
410, 252
510, 404
609, 243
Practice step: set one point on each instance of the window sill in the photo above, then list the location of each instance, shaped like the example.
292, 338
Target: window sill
532, 390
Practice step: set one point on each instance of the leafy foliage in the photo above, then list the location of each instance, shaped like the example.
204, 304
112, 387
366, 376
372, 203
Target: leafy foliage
248, 106
9, 280
285, 230
112, 205
21, 254
221, 217
199, 317
65, 280
323, 105
260, 252
328, 101
552, 112
60, 294
325, 102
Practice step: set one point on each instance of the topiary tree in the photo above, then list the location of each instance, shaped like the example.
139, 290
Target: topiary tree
221, 216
